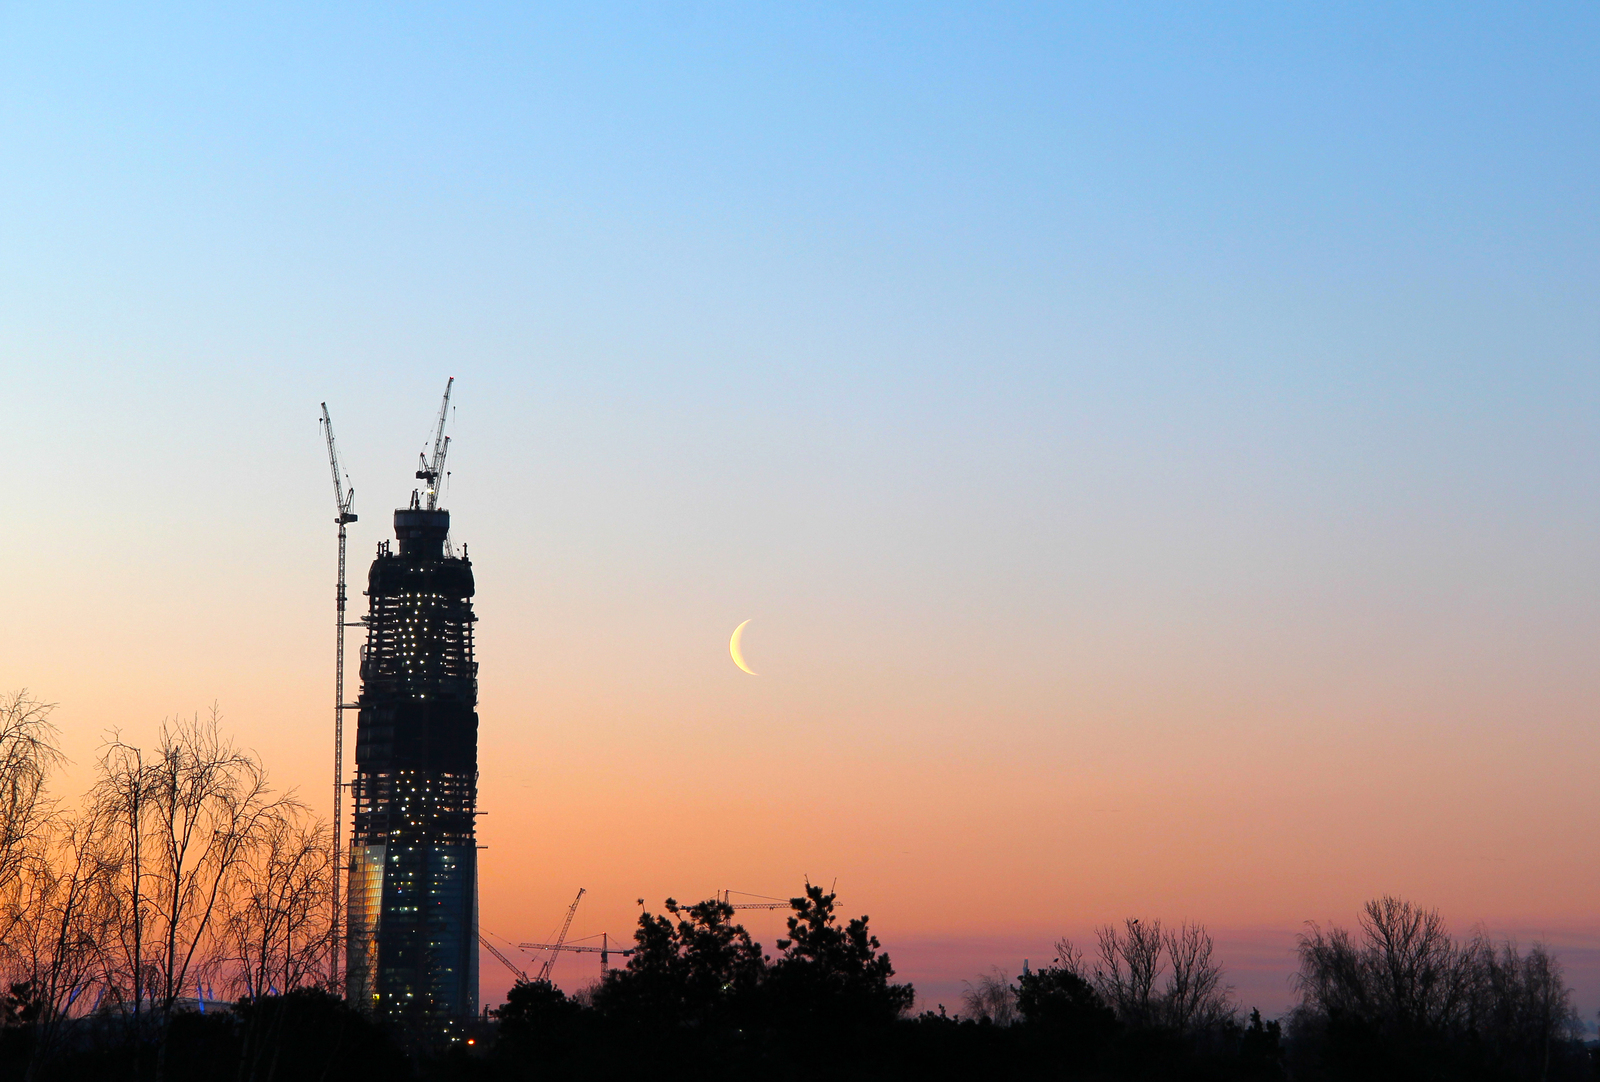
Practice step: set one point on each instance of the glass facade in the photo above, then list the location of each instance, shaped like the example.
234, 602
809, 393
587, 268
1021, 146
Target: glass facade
365, 914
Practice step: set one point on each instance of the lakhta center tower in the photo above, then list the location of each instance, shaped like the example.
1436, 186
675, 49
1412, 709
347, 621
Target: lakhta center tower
413, 920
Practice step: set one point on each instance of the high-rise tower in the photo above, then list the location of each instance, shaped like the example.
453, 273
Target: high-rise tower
413, 916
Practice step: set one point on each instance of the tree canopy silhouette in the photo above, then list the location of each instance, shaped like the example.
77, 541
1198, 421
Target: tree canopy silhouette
833, 975
691, 965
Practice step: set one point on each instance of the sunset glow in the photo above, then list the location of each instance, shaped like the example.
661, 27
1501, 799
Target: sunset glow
1167, 465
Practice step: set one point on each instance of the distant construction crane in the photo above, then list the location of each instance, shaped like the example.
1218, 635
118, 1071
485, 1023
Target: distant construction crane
557, 947
516, 970
768, 902
344, 497
432, 469
605, 950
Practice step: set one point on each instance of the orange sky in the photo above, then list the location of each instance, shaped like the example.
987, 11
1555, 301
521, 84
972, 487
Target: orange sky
959, 779
1156, 452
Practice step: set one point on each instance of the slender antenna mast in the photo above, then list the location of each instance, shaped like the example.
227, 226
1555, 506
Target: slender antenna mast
345, 499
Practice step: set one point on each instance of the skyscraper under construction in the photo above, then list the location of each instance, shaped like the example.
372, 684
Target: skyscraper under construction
413, 917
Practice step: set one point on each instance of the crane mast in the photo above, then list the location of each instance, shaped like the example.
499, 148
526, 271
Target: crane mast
344, 498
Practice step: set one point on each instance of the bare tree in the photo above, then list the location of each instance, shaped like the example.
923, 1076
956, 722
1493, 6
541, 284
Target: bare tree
1519, 1004
993, 999
279, 921
1333, 977
119, 801
184, 819
60, 947
182, 867
1195, 997
1406, 984
1406, 971
1130, 962
279, 925
1418, 981
28, 754
1070, 958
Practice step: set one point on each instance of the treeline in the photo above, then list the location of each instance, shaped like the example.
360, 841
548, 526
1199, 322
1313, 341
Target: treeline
1401, 999
180, 877
176, 926
699, 999
1397, 999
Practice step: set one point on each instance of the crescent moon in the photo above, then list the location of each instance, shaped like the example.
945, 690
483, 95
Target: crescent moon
733, 648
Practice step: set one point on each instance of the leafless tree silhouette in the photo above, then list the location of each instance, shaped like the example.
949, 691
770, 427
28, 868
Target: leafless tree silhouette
1128, 970
1129, 963
992, 999
183, 821
69, 917
1406, 969
279, 925
278, 921
1195, 997
1406, 984
28, 754
1070, 958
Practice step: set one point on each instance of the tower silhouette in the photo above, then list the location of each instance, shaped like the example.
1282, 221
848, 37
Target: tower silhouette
413, 917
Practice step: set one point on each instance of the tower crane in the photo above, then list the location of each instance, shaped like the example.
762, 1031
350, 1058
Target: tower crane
605, 950
725, 897
344, 498
517, 970
432, 469
556, 948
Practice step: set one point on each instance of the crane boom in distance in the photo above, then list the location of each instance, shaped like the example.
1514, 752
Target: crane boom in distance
556, 947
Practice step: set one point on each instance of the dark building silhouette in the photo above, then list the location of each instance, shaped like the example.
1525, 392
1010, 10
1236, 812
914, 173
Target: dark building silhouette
413, 908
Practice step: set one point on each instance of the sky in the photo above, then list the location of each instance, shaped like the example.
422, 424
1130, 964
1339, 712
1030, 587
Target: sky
1155, 445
